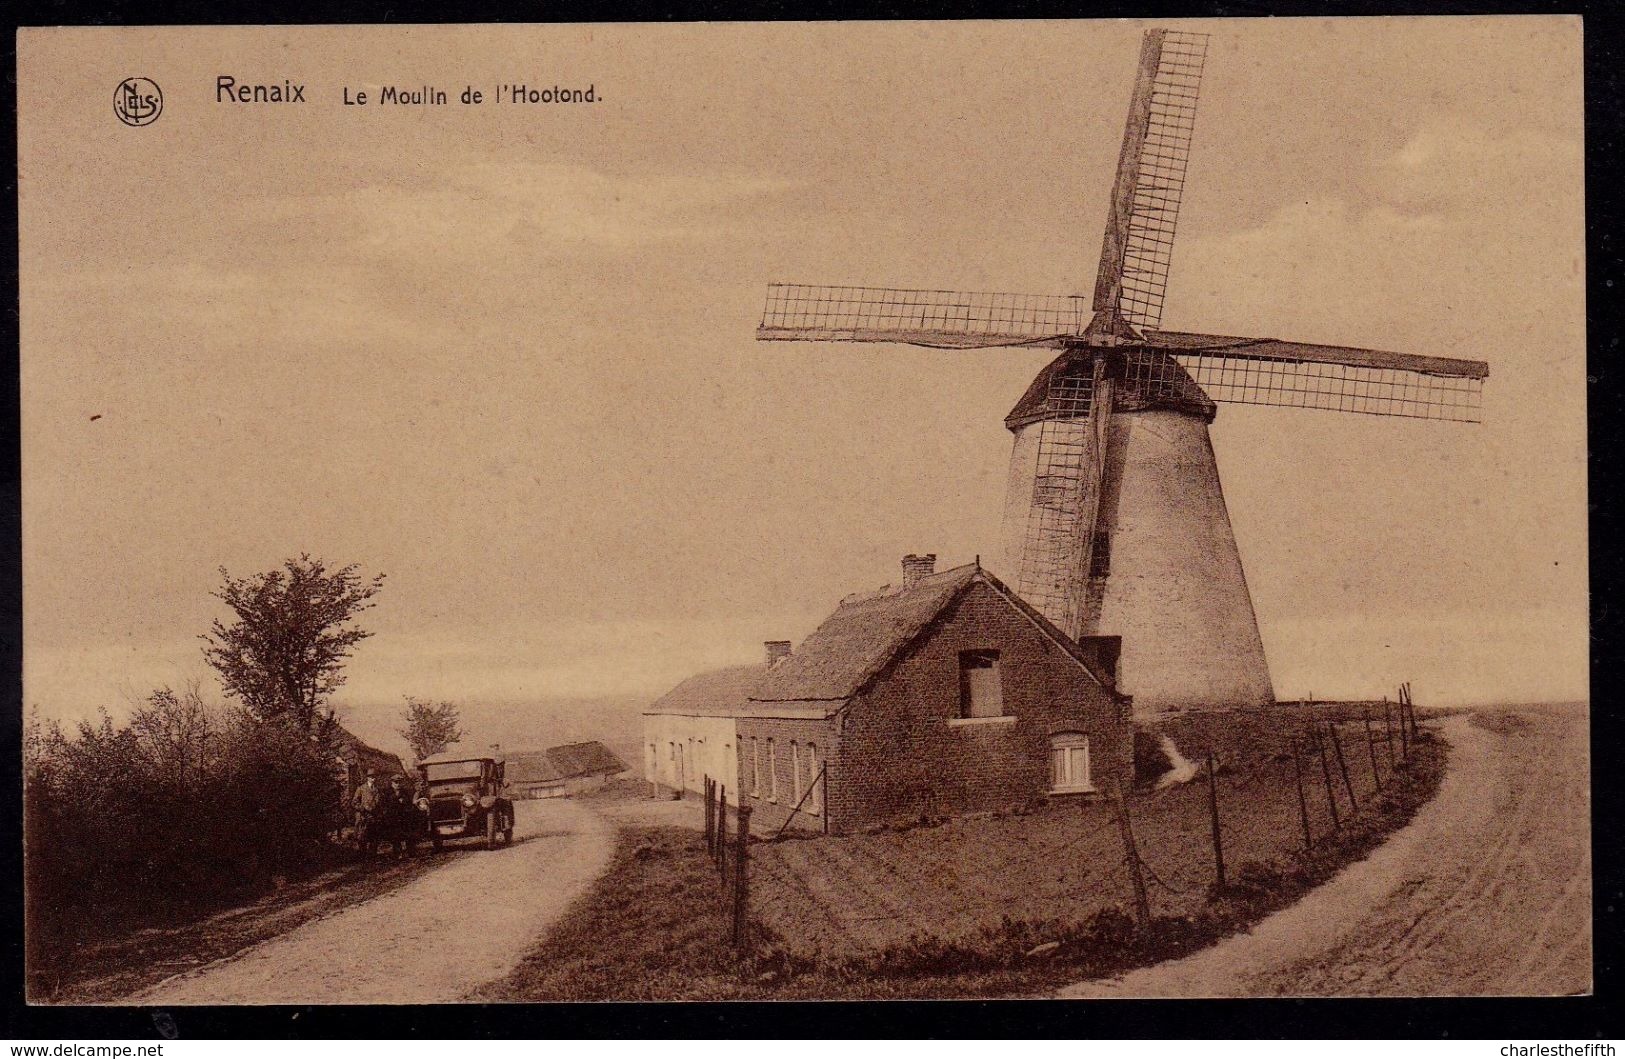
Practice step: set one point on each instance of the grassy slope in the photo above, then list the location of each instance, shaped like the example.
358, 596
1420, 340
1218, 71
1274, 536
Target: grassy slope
655, 927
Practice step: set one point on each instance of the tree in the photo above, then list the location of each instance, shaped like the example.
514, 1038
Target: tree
283, 656
430, 726
177, 735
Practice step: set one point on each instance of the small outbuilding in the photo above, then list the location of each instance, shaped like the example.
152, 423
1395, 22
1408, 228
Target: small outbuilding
945, 694
560, 771
353, 759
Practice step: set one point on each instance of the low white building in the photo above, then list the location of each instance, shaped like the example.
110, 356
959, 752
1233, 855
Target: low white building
685, 740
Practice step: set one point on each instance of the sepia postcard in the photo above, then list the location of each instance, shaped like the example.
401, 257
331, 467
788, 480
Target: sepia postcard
804, 511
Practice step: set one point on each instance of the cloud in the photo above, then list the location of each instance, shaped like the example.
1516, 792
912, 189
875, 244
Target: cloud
508, 661
1442, 170
563, 659
1452, 657
195, 301
417, 262
487, 209
1415, 251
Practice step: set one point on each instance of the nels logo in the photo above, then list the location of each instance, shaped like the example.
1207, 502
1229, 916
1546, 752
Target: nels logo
138, 101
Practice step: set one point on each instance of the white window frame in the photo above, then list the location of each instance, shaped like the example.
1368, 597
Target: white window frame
772, 771
1067, 744
795, 772
755, 766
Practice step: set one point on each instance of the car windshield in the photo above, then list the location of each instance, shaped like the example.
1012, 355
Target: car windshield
441, 771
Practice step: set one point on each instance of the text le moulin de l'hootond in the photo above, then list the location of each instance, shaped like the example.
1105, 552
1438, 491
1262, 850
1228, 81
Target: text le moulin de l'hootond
229, 90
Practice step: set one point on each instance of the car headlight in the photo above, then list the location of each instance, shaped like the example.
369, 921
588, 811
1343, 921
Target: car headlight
468, 801
422, 804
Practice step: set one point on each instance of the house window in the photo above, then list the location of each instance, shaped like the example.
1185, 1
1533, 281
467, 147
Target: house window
1069, 762
795, 772
815, 803
1100, 555
772, 774
755, 768
980, 693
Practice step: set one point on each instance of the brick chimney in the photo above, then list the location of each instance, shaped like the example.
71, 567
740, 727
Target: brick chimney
777, 651
916, 567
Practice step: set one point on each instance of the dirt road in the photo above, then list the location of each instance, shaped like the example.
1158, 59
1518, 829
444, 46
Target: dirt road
431, 941
1486, 893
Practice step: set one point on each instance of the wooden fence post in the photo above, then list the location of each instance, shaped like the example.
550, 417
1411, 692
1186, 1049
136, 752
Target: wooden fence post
1303, 799
1404, 737
722, 830
1326, 771
1388, 731
705, 795
1371, 748
1131, 857
1213, 811
1410, 706
1343, 768
741, 871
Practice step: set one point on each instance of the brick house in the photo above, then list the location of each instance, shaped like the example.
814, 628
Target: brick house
943, 695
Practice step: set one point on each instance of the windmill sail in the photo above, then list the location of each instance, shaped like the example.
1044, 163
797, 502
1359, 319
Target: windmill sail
1138, 246
1268, 371
800, 312
1233, 370
1058, 543
1057, 550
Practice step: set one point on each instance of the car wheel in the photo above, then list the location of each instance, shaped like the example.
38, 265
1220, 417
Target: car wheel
491, 829
436, 843
507, 832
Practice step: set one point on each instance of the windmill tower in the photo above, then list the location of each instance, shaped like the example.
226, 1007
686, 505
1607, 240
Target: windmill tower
1115, 521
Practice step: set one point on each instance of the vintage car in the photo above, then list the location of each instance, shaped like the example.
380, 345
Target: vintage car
462, 796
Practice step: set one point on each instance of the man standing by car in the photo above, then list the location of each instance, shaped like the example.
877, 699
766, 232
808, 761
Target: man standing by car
368, 803
403, 817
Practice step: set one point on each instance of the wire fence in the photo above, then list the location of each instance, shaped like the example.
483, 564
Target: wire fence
1317, 780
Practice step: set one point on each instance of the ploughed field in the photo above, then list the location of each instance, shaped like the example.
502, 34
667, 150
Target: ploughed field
839, 896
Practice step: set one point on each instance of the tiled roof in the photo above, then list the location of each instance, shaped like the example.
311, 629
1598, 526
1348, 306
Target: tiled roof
717, 693
562, 762
531, 766
585, 759
352, 749
865, 632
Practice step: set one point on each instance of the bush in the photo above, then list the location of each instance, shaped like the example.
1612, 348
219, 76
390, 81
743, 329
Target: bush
1150, 759
185, 802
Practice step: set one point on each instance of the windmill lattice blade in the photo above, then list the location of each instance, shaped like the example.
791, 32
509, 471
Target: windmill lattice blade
1137, 251
1267, 371
1338, 388
954, 319
1058, 542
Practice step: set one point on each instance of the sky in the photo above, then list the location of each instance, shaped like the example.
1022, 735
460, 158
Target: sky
504, 354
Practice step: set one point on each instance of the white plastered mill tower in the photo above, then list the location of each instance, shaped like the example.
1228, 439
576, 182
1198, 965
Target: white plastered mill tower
1115, 521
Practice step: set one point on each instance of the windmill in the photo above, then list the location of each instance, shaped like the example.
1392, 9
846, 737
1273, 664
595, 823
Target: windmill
1115, 522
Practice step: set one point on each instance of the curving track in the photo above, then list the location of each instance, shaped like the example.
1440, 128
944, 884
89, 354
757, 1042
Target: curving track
1486, 893
433, 940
